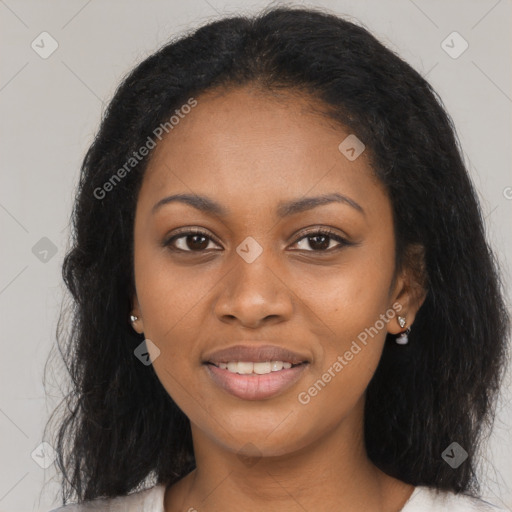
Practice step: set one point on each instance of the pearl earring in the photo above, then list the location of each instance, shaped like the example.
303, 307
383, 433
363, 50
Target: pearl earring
403, 338
133, 318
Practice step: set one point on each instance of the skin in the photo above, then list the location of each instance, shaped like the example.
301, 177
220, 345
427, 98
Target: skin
248, 151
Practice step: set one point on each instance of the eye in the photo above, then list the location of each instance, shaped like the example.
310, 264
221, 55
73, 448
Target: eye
320, 240
192, 240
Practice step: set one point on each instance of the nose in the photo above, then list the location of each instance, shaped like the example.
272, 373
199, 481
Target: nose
253, 294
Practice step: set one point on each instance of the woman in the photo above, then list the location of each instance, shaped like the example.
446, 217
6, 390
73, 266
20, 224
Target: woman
284, 295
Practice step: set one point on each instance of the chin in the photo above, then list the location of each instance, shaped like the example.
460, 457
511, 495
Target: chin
250, 439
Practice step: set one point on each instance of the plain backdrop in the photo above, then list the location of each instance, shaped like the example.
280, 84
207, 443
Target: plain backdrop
51, 108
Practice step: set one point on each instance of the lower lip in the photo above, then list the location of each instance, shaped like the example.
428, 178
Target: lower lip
255, 387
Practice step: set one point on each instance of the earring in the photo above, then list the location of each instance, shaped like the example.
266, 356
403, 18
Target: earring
403, 339
133, 318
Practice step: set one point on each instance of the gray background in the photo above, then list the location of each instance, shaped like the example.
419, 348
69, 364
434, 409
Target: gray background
50, 111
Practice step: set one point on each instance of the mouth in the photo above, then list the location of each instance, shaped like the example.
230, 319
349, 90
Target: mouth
250, 372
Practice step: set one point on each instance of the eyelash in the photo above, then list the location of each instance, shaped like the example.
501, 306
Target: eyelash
321, 231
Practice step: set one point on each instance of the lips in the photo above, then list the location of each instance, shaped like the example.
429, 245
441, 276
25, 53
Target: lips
255, 354
251, 372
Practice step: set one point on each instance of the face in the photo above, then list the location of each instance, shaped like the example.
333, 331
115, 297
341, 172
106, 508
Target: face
256, 267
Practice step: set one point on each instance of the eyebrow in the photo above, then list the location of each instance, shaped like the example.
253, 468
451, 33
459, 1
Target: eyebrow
284, 209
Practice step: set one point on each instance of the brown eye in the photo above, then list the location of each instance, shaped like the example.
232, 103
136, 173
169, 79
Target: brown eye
189, 241
320, 240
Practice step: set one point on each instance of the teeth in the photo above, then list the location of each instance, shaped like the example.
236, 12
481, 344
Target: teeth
276, 366
244, 368
262, 368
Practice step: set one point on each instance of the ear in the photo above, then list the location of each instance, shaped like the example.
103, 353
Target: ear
138, 324
410, 289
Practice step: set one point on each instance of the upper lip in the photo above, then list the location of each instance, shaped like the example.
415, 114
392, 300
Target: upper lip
256, 354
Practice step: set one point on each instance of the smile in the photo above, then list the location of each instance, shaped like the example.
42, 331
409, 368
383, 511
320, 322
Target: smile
255, 380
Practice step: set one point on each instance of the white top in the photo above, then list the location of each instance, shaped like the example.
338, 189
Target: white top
423, 499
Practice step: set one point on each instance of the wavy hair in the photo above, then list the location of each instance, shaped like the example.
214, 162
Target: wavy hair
120, 428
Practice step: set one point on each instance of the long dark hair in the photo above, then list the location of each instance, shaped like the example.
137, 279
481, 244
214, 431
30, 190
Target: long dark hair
121, 429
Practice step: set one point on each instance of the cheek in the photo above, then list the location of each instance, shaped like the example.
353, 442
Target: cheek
171, 296
170, 300
351, 295
353, 308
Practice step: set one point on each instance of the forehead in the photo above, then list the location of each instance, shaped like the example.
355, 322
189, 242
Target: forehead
256, 147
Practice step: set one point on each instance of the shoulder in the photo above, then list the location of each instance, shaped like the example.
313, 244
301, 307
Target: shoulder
426, 499
147, 500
